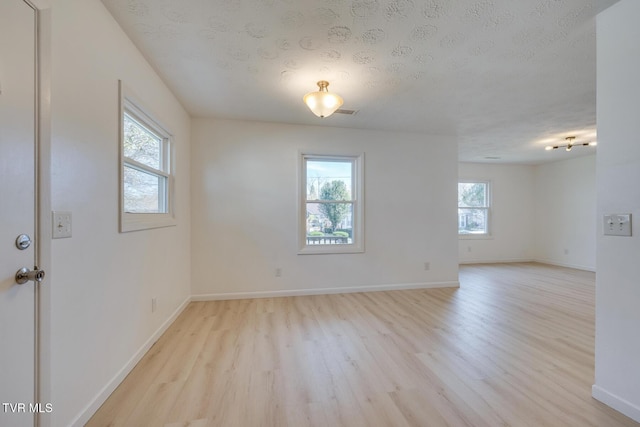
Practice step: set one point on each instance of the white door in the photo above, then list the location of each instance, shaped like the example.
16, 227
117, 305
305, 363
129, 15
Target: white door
17, 211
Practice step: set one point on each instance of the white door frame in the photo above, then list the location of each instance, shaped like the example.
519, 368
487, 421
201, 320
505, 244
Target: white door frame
42, 365
38, 359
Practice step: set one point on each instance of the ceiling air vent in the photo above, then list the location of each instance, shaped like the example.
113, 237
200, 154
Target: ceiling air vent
347, 112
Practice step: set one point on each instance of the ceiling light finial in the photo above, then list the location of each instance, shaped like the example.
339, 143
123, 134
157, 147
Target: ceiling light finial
570, 142
322, 103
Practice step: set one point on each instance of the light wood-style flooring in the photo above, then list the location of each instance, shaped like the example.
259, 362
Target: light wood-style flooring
513, 346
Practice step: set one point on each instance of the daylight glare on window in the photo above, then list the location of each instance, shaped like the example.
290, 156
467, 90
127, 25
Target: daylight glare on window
329, 202
140, 144
146, 179
328, 180
142, 192
145, 168
473, 208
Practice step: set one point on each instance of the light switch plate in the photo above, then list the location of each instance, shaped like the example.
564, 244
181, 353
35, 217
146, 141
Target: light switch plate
61, 224
617, 225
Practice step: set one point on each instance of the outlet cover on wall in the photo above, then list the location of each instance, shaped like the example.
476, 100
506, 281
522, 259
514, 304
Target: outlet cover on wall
617, 225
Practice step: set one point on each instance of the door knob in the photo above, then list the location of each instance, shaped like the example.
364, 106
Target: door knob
24, 275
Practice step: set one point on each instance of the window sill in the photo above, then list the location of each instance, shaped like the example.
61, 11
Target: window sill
330, 249
475, 237
137, 222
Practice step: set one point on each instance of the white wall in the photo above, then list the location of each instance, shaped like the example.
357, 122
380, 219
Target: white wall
244, 211
617, 375
565, 213
544, 213
102, 281
512, 209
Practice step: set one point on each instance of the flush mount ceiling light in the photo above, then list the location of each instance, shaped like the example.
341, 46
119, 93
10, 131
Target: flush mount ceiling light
570, 144
322, 103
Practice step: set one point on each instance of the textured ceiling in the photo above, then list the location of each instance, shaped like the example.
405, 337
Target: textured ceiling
507, 77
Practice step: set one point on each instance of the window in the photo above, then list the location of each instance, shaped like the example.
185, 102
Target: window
145, 171
331, 202
473, 208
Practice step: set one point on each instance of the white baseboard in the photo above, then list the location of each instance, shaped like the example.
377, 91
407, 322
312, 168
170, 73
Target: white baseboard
564, 264
321, 291
106, 391
621, 405
541, 261
495, 261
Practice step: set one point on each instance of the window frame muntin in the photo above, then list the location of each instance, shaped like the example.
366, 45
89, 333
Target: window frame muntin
357, 203
137, 115
129, 221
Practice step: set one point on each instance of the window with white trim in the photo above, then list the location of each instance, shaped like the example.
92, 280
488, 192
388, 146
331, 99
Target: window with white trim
331, 204
473, 208
145, 170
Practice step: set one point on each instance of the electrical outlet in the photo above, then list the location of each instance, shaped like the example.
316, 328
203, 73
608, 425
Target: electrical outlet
427, 266
154, 304
278, 272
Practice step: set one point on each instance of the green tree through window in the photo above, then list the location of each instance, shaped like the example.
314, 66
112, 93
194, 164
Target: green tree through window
331, 202
335, 212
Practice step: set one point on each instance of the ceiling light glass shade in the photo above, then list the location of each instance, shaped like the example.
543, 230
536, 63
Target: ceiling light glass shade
322, 103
